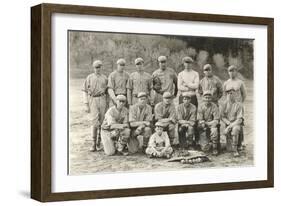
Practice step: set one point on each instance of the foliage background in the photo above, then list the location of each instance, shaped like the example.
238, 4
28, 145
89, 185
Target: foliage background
84, 47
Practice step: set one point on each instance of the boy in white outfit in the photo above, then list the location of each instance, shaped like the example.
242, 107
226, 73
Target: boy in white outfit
159, 143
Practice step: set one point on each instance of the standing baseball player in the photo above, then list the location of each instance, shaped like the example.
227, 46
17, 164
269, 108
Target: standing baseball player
94, 96
211, 83
165, 112
140, 118
232, 117
166, 80
115, 132
186, 120
117, 82
188, 80
208, 119
139, 81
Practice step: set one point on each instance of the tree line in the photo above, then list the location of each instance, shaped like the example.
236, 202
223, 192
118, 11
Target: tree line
84, 47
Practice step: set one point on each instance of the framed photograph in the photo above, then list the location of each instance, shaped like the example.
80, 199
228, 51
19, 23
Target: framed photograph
128, 102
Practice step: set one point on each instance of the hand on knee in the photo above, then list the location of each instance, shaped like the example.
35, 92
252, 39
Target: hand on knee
190, 131
114, 133
171, 126
137, 132
126, 132
235, 130
181, 129
147, 131
214, 132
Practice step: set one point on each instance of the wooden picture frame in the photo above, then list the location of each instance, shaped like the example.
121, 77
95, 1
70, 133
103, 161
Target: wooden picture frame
41, 98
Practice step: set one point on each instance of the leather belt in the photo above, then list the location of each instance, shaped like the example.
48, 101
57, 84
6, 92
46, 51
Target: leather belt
98, 95
159, 92
121, 94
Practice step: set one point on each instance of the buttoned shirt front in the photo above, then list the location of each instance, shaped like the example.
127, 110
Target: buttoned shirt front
139, 113
94, 85
239, 88
232, 111
167, 77
140, 82
186, 113
208, 112
118, 82
212, 84
165, 111
115, 116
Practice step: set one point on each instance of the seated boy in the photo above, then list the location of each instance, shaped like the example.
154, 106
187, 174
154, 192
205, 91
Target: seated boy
159, 143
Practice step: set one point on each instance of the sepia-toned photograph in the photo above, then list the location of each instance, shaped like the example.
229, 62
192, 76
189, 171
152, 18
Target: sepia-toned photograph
143, 102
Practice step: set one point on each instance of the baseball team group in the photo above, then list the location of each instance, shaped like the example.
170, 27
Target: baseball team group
140, 112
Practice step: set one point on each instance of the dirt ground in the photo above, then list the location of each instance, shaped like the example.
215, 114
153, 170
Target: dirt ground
82, 161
